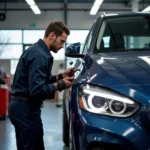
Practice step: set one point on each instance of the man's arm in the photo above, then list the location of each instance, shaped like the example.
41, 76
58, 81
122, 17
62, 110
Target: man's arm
68, 73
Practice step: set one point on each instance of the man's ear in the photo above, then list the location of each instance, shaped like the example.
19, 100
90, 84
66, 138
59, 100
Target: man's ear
52, 36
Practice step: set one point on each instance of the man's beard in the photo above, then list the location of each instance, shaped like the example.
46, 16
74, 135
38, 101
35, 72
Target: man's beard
53, 47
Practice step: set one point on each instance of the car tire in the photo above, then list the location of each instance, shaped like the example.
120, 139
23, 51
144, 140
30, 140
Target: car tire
65, 126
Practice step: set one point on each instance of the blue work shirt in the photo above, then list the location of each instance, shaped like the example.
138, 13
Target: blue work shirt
33, 78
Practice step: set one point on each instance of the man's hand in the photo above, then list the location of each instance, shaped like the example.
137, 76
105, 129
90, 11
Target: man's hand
64, 83
68, 82
70, 72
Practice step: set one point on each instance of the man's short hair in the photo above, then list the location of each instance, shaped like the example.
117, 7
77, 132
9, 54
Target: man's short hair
57, 27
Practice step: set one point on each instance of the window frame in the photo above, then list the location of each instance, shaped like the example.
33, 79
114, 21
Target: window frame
89, 37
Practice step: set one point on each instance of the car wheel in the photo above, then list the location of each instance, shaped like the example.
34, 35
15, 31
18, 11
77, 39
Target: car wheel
71, 144
65, 126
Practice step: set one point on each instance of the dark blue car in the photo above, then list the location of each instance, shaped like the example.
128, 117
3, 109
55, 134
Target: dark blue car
108, 106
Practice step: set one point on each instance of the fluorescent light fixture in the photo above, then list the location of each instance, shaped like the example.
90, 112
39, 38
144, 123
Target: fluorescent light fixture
95, 7
94, 10
98, 2
146, 9
30, 2
35, 9
33, 6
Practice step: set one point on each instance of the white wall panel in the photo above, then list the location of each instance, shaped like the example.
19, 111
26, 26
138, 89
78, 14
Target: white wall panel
80, 20
22, 19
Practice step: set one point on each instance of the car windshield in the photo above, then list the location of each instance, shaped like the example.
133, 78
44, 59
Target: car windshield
124, 34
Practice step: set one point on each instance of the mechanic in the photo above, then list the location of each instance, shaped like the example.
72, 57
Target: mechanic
33, 83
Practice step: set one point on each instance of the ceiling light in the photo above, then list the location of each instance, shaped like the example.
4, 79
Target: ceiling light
98, 2
94, 10
146, 9
95, 7
30, 2
36, 9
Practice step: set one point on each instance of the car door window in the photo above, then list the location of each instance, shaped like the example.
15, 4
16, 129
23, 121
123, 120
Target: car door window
88, 41
103, 40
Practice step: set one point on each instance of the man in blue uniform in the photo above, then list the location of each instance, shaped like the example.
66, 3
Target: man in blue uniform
33, 83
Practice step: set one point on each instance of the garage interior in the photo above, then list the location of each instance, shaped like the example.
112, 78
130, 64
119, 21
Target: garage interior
20, 27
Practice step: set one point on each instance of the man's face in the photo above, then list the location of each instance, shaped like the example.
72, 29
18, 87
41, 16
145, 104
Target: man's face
58, 42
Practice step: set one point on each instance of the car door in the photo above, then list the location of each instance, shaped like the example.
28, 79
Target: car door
80, 62
82, 65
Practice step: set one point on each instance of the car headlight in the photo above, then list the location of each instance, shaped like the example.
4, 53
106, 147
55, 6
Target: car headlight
106, 102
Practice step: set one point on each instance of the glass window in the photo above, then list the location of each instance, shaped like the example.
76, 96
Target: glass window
124, 33
88, 41
10, 36
74, 37
60, 55
13, 65
32, 36
26, 47
77, 36
106, 41
10, 51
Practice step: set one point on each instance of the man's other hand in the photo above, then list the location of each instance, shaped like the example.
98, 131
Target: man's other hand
68, 82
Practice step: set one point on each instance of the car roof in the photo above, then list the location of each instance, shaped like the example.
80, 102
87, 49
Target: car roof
127, 14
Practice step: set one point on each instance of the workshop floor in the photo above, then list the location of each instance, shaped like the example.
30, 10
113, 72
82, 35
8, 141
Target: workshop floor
52, 122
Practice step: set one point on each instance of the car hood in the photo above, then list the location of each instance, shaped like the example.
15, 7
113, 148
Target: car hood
125, 72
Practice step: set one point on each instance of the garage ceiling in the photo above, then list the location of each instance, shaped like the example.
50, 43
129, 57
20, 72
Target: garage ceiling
123, 5
76, 1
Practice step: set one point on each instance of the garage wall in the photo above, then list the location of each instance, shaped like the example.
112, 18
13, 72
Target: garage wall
78, 16
23, 19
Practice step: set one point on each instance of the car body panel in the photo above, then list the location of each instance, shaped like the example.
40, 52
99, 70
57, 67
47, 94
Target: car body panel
125, 72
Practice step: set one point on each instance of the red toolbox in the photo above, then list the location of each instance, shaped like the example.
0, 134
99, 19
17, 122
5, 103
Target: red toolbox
4, 100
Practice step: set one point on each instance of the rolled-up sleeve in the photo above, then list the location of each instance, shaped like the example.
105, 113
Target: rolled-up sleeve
52, 79
37, 75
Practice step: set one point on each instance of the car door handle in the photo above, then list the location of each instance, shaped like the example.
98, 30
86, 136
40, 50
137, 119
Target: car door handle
71, 62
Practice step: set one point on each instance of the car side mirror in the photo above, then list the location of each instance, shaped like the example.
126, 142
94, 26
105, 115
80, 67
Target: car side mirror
73, 50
